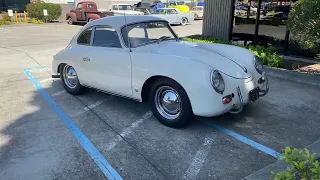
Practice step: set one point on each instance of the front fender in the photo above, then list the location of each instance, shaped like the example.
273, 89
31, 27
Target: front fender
72, 15
193, 76
93, 16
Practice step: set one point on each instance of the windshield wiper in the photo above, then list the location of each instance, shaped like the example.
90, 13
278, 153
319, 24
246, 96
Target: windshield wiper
163, 38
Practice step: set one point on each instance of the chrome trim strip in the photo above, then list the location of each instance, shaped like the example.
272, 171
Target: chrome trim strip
112, 93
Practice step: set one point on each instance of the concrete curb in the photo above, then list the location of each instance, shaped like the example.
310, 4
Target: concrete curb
293, 75
265, 173
293, 58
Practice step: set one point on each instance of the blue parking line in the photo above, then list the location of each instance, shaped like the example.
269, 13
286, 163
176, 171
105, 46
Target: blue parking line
98, 158
245, 140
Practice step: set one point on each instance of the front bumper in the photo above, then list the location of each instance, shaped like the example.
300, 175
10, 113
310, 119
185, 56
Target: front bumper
260, 88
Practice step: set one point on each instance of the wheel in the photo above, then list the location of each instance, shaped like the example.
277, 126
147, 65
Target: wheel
89, 20
170, 103
70, 81
184, 21
70, 22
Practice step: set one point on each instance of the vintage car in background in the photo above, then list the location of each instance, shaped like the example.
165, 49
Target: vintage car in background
146, 11
85, 11
174, 16
124, 56
127, 9
179, 5
198, 12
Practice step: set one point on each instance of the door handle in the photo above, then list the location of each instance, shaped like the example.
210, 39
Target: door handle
85, 59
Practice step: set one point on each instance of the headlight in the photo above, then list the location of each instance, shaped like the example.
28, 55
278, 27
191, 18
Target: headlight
258, 65
217, 82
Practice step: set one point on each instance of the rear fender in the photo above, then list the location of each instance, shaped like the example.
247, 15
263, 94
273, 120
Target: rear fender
72, 15
93, 16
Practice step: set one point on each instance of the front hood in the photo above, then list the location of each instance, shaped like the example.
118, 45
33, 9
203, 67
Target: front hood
228, 59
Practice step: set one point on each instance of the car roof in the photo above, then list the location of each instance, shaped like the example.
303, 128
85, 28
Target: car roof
117, 22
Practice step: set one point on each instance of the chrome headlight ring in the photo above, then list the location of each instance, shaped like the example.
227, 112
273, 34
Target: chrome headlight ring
258, 65
217, 82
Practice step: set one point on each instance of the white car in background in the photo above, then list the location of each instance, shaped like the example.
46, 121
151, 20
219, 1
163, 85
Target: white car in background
174, 16
198, 12
124, 9
141, 58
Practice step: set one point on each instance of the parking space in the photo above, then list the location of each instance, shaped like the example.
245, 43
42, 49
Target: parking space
96, 135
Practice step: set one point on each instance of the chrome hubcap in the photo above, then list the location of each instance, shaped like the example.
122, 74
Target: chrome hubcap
70, 76
168, 102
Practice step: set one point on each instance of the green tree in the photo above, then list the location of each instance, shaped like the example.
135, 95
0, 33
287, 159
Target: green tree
304, 23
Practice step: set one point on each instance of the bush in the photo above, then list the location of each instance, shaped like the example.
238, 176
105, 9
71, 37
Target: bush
6, 17
304, 23
266, 54
275, 21
2, 23
35, 21
302, 165
36, 11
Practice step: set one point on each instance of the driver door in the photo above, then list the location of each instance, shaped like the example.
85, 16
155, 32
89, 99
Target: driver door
79, 12
173, 16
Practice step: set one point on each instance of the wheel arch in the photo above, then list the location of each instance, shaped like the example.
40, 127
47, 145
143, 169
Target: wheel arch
147, 85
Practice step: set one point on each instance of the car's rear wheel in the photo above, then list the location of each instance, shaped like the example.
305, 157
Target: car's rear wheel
70, 22
70, 81
184, 21
170, 103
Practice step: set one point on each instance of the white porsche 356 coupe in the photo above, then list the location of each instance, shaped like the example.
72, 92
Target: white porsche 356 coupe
141, 58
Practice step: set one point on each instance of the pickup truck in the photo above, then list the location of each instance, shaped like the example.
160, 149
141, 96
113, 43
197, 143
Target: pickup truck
86, 11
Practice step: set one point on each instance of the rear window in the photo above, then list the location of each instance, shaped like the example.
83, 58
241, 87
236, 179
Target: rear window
90, 5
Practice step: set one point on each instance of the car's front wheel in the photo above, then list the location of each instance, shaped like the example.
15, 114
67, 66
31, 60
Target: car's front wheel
70, 22
184, 21
170, 103
69, 78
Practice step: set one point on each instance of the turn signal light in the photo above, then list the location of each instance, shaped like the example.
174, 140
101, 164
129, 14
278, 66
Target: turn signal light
226, 100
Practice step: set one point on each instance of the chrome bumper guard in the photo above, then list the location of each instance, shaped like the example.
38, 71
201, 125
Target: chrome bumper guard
262, 92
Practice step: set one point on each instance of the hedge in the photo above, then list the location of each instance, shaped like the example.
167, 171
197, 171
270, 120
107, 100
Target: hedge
267, 55
275, 21
36, 11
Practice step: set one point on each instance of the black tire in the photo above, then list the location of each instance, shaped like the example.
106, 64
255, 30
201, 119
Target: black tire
184, 21
89, 20
185, 114
70, 22
78, 89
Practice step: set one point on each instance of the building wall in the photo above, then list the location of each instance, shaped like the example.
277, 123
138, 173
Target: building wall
218, 19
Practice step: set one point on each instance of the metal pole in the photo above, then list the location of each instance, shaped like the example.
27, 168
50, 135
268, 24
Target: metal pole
256, 31
286, 40
231, 19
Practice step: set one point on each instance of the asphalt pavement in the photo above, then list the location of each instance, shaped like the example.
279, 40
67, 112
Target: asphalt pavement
46, 133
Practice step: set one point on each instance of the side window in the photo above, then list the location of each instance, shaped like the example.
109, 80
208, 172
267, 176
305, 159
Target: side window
172, 11
115, 7
85, 37
106, 37
79, 6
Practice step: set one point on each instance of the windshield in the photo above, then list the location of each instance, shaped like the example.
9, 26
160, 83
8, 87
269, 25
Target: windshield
146, 33
125, 7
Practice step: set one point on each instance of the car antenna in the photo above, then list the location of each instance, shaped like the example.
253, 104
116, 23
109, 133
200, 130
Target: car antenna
125, 21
